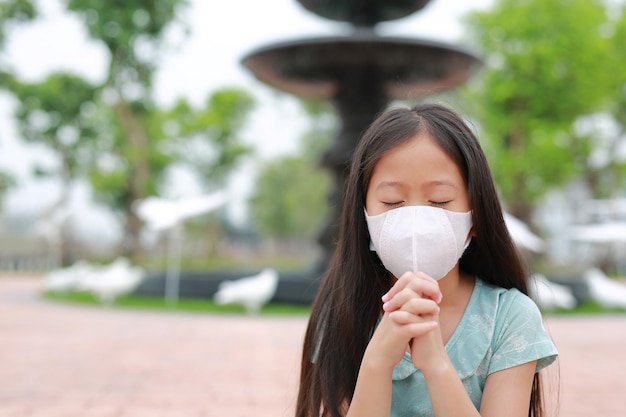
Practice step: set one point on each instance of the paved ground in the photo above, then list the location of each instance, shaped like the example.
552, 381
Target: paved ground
65, 361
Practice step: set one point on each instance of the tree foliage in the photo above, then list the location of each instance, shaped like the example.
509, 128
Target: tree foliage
7, 181
208, 138
609, 178
290, 198
56, 112
546, 66
139, 140
132, 33
205, 138
14, 12
115, 134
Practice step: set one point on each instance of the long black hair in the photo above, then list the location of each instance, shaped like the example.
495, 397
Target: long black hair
347, 307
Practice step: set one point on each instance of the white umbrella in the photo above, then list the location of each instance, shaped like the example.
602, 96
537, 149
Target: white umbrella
611, 235
164, 214
605, 291
521, 234
549, 295
168, 215
607, 232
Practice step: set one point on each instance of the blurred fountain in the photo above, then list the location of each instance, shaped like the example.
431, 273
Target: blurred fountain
360, 73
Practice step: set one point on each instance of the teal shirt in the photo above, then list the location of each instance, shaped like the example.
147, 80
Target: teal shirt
500, 329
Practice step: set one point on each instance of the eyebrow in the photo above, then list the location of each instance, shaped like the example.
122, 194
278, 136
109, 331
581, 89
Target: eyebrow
442, 182
388, 184
434, 183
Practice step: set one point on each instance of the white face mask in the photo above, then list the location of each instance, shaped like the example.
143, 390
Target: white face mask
420, 239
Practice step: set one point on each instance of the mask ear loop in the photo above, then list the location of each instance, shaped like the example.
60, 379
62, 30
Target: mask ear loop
470, 234
467, 242
413, 241
367, 230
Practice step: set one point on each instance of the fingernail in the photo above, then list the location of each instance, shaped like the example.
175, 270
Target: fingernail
385, 306
385, 297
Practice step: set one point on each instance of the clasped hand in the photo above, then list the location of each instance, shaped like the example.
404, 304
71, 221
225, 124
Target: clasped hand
410, 319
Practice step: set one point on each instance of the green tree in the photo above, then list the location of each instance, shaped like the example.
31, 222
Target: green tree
545, 68
7, 181
208, 138
55, 113
205, 138
139, 140
132, 32
290, 197
608, 178
12, 12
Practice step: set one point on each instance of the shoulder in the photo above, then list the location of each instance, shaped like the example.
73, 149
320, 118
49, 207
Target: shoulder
513, 311
507, 301
519, 334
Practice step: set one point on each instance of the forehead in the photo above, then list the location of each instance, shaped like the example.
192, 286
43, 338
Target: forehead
420, 156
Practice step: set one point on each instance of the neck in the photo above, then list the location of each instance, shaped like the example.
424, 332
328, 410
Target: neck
455, 287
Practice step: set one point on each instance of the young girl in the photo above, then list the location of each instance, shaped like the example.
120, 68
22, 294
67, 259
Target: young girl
423, 310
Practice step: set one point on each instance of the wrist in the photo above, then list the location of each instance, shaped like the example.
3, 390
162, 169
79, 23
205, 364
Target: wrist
437, 369
379, 364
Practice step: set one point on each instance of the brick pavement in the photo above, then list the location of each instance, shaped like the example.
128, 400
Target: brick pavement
61, 360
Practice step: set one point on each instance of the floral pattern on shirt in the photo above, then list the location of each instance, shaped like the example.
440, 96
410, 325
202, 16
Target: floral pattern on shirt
499, 329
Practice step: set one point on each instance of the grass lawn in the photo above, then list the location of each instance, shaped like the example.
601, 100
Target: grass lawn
208, 306
587, 308
184, 304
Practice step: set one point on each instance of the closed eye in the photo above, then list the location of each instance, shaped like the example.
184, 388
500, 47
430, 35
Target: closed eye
392, 204
440, 203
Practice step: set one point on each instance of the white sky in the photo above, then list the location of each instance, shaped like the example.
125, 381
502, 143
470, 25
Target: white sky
222, 32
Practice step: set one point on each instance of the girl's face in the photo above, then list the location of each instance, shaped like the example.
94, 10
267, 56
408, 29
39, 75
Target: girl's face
416, 173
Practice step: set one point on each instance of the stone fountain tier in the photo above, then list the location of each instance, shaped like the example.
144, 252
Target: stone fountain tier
405, 69
363, 12
359, 74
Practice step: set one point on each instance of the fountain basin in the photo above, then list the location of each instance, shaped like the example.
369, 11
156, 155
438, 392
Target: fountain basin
404, 68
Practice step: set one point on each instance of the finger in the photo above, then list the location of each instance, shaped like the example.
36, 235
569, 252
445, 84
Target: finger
430, 287
398, 286
414, 305
421, 307
416, 281
403, 318
403, 297
423, 275
421, 284
412, 326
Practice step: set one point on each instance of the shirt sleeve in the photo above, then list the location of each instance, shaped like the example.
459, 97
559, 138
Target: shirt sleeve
519, 334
